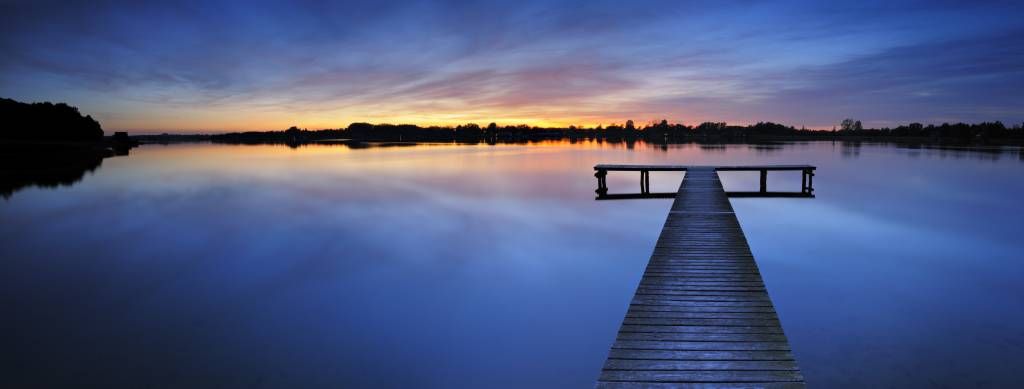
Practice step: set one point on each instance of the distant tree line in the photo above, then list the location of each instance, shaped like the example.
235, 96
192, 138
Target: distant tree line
984, 131
655, 132
46, 122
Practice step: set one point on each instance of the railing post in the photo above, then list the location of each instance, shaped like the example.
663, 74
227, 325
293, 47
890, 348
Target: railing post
764, 181
810, 182
645, 186
803, 181
602, 183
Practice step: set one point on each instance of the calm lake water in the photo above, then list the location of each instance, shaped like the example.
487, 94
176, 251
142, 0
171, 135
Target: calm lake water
492, 266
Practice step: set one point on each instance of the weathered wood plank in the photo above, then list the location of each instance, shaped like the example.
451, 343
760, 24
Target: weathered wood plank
696, 385
701, 355
702, 295
709, 376
660, 364
701, 316
701, 337
642, 314
696, 309
658, 302
700, 329
699, 346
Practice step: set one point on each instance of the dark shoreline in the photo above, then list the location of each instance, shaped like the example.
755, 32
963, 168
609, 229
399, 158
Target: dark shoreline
269, 140
986, 133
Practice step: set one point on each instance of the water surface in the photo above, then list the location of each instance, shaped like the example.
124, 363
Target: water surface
492, 266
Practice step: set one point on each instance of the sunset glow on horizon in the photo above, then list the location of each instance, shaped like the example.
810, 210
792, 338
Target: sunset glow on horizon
219, 66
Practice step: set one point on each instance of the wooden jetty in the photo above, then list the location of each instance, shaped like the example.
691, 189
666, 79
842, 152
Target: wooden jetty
701, 316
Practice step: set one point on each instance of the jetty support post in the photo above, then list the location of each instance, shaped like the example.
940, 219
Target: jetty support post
807, 182
602, 183
645, 181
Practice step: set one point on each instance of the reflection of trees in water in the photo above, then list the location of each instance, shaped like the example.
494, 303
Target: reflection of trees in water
52, 166
979, 153
941, 151
850, 149
712, 147
371, 145
46, 166
765, 148
985, 153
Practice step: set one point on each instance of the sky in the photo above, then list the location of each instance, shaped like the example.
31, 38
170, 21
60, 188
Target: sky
212, 66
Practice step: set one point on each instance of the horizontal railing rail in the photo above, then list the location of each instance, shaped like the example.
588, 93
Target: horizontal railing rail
806, 185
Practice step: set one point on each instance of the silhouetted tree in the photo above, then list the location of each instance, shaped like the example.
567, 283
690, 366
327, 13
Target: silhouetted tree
469, 133
46, 121
850, 125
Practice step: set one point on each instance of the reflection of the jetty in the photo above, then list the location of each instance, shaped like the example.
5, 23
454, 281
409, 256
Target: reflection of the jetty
50, 165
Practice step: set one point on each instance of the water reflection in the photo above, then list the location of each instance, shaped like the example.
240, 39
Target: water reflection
482, 266
50, 168
24, 165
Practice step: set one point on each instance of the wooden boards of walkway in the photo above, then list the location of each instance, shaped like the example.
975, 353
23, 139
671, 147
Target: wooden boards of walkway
701, 316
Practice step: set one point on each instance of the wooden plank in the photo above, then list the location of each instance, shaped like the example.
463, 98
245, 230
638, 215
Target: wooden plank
659, 302
701, 316
700, 329
660, 364
669, 293
643, 314
701, 337
709, 376
699, 322
697, 385
700, 346
701, 355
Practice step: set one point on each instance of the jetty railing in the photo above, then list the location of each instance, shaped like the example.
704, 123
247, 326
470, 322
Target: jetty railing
601, 173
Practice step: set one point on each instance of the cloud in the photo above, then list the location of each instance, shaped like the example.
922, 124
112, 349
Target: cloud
226, 64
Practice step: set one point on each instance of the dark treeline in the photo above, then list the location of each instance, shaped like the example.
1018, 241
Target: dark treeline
49, 145
979, 132
46, 122
661, 132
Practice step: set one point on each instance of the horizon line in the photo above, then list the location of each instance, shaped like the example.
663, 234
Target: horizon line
639, 125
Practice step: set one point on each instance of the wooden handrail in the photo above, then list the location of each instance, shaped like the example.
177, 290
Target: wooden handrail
806, 180
633, 168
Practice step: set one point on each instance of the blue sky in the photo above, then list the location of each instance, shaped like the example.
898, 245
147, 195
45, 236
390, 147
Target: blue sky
223, 65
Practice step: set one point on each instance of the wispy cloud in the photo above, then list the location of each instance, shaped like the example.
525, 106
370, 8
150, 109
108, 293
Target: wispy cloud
226, 65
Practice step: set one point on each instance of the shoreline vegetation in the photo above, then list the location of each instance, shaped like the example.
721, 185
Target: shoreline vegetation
50, 145
39, 126
42, 126
986, 133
